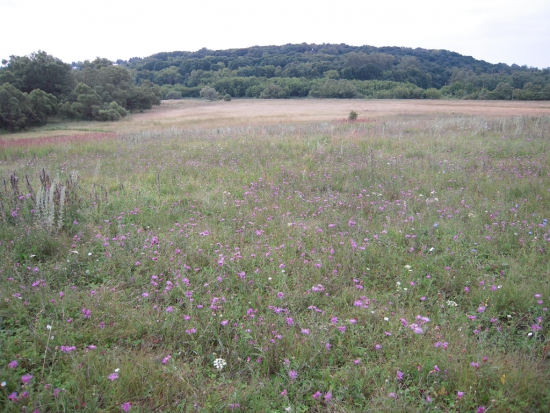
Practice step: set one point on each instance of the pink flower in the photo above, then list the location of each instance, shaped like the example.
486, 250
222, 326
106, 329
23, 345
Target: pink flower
13, 364
293, 374
399, 375
113, 376
459, 395
26, 378
305, 331
126, 406
13, 396
224, 323
316, 395
166, 359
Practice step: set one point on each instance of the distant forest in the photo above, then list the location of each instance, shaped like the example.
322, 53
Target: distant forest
35, 87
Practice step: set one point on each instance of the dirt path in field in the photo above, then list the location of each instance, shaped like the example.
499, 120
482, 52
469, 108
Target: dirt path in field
202, 114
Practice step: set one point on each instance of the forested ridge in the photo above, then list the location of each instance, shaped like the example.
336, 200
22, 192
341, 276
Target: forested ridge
339, 71
40, 86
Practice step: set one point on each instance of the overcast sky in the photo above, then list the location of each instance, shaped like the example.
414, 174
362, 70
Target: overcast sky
508, 31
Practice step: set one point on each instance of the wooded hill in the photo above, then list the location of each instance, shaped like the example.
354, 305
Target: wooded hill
339, 71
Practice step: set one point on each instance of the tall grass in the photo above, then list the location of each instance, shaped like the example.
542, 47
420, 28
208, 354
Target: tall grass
399, 265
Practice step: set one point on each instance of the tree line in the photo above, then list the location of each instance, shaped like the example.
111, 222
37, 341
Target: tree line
39, 86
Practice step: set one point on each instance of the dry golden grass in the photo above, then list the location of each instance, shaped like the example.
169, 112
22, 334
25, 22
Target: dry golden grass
202, 114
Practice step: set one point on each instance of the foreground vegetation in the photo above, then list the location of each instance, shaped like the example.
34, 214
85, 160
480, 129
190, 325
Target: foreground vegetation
399, 265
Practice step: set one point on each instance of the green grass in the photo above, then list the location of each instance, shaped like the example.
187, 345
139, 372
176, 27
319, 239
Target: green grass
306, 248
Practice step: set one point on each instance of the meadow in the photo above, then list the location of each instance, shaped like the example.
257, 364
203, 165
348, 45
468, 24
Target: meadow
292, 262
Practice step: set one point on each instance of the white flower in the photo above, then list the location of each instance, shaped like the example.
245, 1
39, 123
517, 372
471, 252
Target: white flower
49, 327
451, 303
219, 364
3, 384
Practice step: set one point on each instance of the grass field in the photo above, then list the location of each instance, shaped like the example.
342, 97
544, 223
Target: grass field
269, 256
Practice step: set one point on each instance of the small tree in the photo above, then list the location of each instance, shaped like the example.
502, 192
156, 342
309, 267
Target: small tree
352, 116
227, 98
209, 93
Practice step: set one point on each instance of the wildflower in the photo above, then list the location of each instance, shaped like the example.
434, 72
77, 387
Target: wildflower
400, 375
86, 313
166, 359
305, 331
328, 395
342, 329
316, 395
284, 392
67, 349
481, 309
113, 376
26, 378
3, 384
377, 347
474, 364
191, 331
357, 361
392, 395
13, 396
459, 395
219, 364
480, 409
169, 309
13, 364
290, 321
126, 406
292, 374
224, 323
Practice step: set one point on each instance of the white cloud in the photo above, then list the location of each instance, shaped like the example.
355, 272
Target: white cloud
75, 30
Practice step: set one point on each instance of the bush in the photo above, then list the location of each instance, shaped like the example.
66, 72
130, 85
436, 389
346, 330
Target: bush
432, 93
227, 98
173, 95
340, 89
352, 115
209, 93
273, 91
